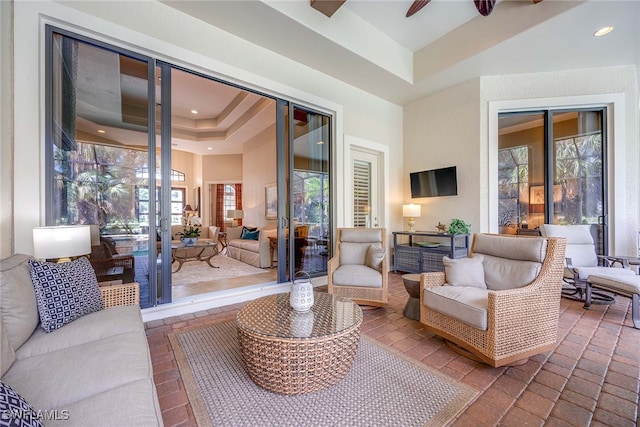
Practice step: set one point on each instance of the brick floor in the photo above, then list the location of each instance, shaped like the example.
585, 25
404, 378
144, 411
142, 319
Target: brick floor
591, 378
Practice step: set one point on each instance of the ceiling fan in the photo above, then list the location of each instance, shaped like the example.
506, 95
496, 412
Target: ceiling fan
484, 6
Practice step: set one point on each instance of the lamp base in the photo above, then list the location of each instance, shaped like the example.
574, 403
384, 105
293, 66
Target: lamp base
411, 222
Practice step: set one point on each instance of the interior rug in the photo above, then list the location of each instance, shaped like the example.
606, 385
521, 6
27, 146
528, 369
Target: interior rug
383, 388
200, 271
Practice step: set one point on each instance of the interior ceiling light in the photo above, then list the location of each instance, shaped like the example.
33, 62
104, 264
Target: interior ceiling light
603, 31
209, 148
194, 111
320, 142
102, 131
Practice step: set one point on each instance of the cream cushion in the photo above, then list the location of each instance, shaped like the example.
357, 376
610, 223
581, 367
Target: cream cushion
357, 275
467, 304
464, 271
353, 253
625, 284
17, 300
509, 262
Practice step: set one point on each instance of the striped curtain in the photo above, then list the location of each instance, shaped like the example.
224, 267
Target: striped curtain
220, 206
238, 188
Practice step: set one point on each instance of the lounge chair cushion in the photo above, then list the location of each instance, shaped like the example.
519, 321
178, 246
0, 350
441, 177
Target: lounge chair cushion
465, 303
357, 275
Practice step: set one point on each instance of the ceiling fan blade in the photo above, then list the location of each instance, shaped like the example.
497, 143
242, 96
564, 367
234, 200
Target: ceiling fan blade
484, 6
416, 6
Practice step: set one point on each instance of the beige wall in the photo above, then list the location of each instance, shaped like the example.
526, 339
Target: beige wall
218, 169
6, 129
440, 131
154, 28
259, 165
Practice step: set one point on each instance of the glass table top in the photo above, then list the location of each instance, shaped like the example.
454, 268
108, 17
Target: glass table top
272, 316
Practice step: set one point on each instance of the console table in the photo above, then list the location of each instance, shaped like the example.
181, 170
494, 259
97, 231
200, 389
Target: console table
425, 249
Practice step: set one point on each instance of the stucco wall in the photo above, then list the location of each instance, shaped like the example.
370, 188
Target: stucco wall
259, 165
154, 28
439, 131
458, 126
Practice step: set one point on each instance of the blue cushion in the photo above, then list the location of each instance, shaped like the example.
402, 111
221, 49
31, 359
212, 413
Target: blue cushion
15, 411
65, 291
250, 235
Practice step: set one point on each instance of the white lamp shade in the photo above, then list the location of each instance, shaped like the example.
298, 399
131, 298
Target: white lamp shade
231, 213
238, 213
410, 211
61, 241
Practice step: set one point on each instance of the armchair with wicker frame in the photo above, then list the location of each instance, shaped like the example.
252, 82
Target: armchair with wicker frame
510, 311
359, 268
104, 256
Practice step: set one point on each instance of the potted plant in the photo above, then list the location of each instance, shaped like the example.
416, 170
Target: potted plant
458, 226
189, 235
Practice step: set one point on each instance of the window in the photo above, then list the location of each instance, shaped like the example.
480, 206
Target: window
229, 201
177, 205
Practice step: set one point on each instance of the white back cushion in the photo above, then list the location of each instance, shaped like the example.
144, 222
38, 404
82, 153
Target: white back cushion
580, 246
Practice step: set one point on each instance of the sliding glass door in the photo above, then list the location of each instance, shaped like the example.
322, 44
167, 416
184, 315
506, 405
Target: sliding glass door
131, 142
304, 209
552, 169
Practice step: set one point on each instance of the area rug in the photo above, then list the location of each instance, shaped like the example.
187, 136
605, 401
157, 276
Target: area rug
199, 271
383, 388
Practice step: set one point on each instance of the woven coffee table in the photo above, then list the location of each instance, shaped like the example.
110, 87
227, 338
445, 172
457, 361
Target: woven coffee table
294, 353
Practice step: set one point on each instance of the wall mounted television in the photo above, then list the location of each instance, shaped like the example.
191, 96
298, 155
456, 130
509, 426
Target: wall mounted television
434, 183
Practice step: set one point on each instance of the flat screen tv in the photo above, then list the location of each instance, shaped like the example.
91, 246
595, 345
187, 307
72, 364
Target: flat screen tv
434, 183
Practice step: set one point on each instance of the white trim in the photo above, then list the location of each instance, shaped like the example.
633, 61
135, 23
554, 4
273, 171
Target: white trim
616, 152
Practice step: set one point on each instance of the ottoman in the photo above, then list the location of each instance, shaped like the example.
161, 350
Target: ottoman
628, 286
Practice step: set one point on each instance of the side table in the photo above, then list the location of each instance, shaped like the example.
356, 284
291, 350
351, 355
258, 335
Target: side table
412, 285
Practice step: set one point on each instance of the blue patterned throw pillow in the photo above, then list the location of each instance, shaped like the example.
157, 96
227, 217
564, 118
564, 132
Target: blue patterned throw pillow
15, 411
65, 291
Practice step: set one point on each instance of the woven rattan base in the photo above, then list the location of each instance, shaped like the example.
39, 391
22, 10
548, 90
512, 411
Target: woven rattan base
298, 366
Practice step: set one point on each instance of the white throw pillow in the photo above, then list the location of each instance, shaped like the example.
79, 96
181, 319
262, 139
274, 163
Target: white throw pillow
464, 271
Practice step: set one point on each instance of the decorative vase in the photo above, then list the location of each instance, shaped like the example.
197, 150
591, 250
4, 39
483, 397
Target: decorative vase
189, 241
301, 296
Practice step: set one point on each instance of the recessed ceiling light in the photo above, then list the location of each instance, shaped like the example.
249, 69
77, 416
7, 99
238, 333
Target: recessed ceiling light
603, 31
102, 131
320, 142
209, 148
194, 111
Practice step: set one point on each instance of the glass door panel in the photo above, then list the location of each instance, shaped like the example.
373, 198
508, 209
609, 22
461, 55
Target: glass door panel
520, 172
578, 172
309, 199
98, 98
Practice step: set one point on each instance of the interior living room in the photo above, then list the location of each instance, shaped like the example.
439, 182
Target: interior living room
273, 125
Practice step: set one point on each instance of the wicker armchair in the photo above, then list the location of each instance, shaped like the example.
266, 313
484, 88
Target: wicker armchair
515, 316
104, 256
359, 269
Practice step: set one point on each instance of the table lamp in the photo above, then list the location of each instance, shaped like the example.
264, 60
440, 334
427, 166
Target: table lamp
411, 212
61, 243
235, 215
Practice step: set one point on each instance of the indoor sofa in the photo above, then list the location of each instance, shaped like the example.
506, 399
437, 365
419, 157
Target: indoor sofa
249, 250
94, 370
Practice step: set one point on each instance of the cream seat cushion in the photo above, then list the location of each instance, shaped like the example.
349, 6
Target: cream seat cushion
465, 303
357, 275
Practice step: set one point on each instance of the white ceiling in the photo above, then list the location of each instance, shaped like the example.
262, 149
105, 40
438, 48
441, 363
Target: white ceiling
374, 47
